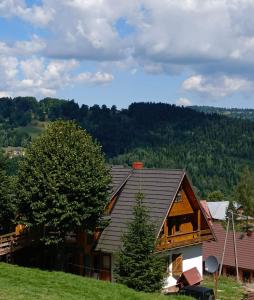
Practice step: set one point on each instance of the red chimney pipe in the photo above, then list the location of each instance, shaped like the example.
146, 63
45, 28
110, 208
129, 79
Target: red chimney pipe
137, 165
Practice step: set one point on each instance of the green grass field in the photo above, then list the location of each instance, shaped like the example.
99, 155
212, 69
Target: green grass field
34, 129
17, 283
228, 288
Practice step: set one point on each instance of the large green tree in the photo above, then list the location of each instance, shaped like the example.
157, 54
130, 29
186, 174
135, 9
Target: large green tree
244, 192
138, 266
62, 182
7, 204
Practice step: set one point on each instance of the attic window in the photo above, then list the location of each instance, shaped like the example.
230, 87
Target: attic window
178, 196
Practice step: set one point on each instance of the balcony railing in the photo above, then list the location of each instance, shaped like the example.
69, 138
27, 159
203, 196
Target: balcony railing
184, 238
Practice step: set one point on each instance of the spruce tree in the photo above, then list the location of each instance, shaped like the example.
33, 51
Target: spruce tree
138, 266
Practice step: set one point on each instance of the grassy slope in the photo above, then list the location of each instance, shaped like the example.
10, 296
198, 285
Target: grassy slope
34, 129
18, 283
228, 288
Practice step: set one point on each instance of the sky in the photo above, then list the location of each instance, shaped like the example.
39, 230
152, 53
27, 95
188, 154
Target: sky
186, 52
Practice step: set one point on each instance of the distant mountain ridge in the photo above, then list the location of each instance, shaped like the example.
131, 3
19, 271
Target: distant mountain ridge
213, 148
240, 113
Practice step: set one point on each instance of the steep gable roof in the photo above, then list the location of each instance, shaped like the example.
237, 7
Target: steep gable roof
159, 187
119, 175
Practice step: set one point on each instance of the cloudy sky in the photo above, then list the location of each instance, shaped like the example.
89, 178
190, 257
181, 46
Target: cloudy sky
116, 52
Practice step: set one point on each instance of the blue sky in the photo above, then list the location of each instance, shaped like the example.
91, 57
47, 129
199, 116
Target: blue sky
188, 52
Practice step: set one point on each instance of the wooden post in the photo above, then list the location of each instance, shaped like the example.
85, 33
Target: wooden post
166, 228
224, 248
215, 277
235, 251
165, 232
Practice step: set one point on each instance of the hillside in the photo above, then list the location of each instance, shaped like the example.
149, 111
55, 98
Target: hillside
212, 148
239, 113
17, 283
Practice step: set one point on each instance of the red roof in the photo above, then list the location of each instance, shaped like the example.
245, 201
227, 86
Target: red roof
244, 245
207, 211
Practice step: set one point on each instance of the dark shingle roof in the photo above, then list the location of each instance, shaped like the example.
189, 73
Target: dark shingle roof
119, 175
159, 187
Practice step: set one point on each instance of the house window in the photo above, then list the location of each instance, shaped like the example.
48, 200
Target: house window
177, 225
177, 265
246, 276
231, 271
179, 196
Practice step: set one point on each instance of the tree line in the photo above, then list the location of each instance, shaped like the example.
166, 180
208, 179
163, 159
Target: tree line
212, 148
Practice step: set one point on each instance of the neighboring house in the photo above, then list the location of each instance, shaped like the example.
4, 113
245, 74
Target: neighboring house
245, 252
14, 151
218, 209
181, 224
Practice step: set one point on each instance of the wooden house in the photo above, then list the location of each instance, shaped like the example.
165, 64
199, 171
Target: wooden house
181, 224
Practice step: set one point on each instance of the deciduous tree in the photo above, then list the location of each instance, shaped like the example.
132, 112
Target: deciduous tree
7, 204
62, 182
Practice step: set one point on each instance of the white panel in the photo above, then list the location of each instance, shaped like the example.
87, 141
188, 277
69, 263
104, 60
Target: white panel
192, 257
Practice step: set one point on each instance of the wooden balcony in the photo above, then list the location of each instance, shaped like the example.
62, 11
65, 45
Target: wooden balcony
184, 239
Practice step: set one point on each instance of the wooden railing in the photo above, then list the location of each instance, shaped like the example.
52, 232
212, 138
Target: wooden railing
182, 239
12, 242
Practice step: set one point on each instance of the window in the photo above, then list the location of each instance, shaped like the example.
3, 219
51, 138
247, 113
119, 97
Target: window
177, 264
246, 276
179, 196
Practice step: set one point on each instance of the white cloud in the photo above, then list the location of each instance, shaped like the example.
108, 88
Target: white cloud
183, 102
40, 78
205, 37
4, 94
37, 15
23, 48
217, 86
96, 78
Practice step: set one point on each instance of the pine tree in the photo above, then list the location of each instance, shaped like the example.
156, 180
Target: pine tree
138, 266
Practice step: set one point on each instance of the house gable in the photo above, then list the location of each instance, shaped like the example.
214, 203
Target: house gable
158, 187
185, 223
181, 204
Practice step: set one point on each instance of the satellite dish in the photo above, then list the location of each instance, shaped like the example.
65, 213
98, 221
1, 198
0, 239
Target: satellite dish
211, 264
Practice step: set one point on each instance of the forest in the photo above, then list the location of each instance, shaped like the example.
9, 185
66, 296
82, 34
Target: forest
212, 147
240, 113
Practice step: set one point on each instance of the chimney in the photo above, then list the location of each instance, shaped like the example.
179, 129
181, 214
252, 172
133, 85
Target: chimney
137, 165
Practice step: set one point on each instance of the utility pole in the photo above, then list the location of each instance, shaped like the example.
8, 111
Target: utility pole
230, 217
224, 248
235, 251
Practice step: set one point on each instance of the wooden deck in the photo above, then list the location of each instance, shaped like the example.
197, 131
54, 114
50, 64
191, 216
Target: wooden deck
12, 242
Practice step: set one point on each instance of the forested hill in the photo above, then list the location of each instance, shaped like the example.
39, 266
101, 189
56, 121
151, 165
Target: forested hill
240, 113
213, 148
